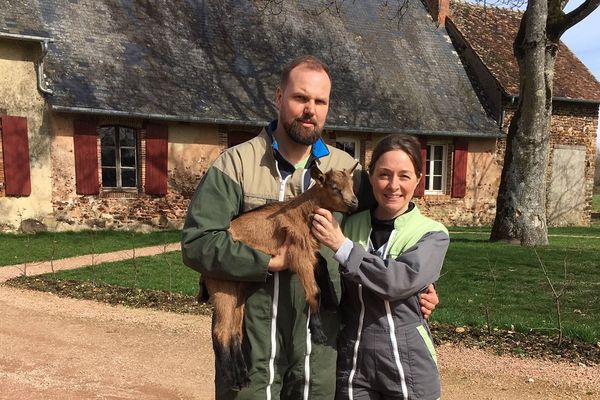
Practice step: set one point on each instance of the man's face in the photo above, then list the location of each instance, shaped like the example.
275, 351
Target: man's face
303, 104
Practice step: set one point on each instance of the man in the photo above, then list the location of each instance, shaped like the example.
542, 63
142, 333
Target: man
283, 362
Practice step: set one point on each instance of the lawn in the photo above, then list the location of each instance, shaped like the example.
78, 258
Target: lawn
508, 281
18, 248
161, 272
520, 298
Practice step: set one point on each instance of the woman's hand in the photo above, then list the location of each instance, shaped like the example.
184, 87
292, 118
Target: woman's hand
327, 230
428, 300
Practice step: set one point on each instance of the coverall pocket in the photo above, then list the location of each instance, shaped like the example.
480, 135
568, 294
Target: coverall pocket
423, 376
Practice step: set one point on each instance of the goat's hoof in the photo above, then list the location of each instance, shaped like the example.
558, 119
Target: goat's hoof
317, 336
241, 378
316, 329
240, 383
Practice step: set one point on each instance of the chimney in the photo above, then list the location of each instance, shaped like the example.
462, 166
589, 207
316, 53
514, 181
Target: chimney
439, 10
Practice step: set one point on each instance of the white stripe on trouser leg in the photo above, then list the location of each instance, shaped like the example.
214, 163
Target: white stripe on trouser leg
273, 333
357, 344
307, 358
395, 348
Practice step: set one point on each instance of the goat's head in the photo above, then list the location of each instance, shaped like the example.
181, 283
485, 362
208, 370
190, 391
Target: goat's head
335, 189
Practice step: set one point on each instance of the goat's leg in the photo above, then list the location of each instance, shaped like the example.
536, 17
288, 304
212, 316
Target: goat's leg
224, 300
242, 378
304, 268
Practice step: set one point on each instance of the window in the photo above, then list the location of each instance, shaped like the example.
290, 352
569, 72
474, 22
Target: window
119, 154
350, 146
435, 173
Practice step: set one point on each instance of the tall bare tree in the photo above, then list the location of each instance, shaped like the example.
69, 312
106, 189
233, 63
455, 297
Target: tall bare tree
521, 203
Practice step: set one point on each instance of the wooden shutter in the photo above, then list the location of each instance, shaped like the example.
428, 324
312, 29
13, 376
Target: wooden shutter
85, 140
15, 145
157, 147
459, 167
420, 190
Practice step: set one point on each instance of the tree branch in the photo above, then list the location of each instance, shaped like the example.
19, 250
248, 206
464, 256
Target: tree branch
558, 26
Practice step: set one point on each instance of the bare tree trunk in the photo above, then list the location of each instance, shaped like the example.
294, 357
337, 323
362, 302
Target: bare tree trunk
521, 203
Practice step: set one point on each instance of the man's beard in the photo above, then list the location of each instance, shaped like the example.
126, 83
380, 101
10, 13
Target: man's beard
300, 134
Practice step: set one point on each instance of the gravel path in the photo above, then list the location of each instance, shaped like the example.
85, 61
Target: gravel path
61, 348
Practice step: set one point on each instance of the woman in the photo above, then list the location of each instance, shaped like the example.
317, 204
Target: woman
387, 256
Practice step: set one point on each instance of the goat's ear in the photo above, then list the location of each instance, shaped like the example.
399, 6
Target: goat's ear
317, 175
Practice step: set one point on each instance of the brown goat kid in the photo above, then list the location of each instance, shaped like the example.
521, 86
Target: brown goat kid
266, 229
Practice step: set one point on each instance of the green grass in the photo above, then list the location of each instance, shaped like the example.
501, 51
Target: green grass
522, 298
596, 203
17, 249
161, 272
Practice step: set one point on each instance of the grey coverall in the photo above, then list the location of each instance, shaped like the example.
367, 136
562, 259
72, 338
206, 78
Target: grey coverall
385, 350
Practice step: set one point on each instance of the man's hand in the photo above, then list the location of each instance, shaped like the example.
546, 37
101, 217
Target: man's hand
278, 261
428, 301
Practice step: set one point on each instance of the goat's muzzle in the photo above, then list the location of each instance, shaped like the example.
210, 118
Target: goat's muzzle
352, 204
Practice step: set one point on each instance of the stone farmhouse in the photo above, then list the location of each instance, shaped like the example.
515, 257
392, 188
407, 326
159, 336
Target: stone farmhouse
111, 111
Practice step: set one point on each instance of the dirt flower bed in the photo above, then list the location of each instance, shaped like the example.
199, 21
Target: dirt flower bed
526, 345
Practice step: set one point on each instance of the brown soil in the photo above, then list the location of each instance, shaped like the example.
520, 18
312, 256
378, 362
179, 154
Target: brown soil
65, 348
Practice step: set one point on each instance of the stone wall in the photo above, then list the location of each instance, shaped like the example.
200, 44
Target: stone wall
191, 149
573, 124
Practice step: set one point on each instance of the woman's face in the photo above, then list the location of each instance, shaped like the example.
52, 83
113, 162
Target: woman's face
394, 181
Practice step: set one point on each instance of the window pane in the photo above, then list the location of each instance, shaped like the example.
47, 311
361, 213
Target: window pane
107, 136
439, 152
428, 153
437, 167
128, 178
427, 168
109, 177
348, 147
127, 137
108, 157
427, 180
128, 157
437, 183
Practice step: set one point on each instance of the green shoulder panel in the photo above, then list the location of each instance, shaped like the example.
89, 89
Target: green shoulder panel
410, 228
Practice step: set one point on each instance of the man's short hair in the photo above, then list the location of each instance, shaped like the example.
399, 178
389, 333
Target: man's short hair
308, 61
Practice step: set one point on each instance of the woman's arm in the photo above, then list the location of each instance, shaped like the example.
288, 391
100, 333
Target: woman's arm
410, 273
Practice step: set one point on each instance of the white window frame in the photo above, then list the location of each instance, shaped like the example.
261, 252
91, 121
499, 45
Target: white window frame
352, 140
430, 147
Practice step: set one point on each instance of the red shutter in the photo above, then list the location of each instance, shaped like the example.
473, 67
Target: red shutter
157, 147
15, 145
85, 140
459, 174
420, 190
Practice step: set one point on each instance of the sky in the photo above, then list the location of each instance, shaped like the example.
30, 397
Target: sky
584, 40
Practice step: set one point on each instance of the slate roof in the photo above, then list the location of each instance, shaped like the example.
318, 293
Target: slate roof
490, 32
219, 61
